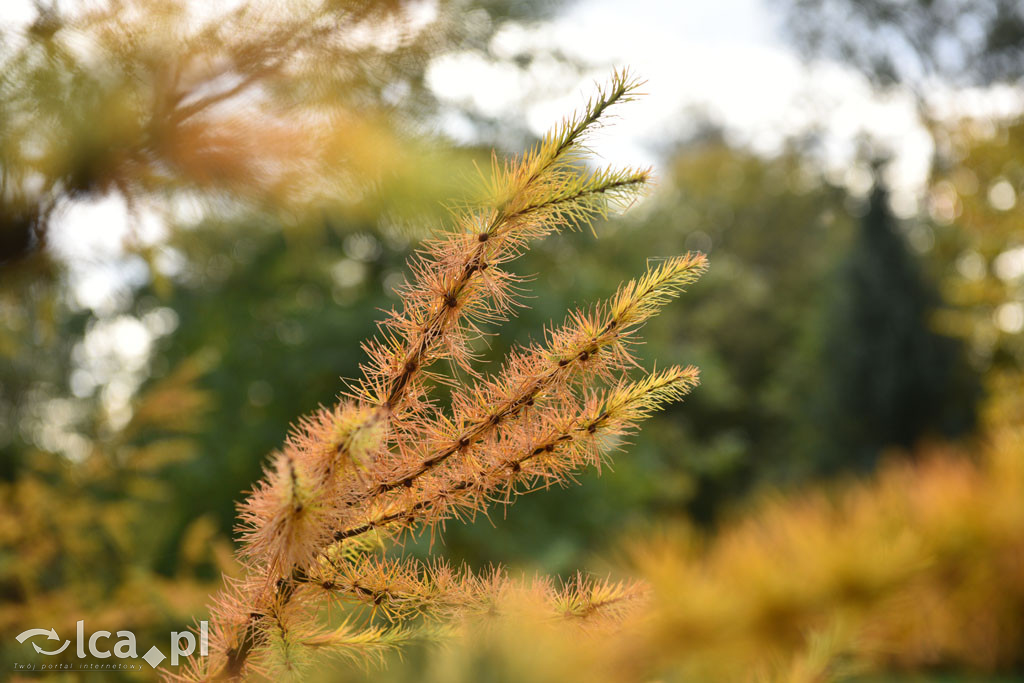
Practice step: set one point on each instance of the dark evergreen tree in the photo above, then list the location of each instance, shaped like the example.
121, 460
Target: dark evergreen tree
890, 379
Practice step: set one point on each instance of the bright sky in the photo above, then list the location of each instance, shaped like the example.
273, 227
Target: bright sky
725, 58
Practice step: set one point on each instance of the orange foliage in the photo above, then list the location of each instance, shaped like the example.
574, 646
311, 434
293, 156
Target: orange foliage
919, 568
389, 458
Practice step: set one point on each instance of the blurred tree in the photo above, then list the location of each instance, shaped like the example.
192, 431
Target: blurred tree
282, 320
889, 379
913, 42
292, 109
974, 204
773, 228
976, 178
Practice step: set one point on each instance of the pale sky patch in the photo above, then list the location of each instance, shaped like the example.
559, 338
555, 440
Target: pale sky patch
725, 59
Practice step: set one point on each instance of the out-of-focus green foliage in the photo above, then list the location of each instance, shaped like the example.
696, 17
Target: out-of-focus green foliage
282, 321
772, 228
778, 351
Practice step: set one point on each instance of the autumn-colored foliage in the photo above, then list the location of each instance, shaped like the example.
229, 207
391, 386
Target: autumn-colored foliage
389, 458
919, 568
280, 152
270, 106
